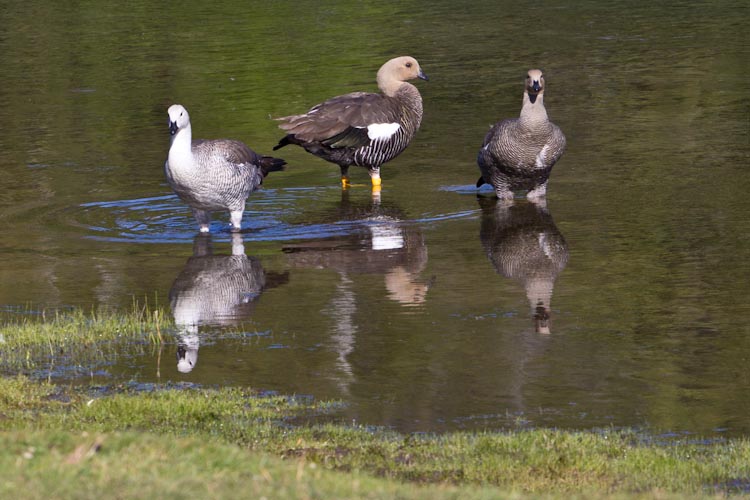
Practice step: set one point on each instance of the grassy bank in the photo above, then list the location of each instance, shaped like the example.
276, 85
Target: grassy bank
216, 443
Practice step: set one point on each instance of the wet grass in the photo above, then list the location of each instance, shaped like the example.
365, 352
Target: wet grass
214, 443
76, 337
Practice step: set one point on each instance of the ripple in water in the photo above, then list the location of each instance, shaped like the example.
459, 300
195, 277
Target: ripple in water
166, 219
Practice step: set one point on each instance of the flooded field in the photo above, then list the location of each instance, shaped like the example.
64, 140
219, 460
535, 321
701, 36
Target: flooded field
426, 307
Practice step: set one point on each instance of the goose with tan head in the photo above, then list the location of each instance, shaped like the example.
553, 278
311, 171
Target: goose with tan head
213, 175
362, 128
519, 153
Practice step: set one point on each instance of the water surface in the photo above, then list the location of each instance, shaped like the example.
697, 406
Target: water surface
428, 308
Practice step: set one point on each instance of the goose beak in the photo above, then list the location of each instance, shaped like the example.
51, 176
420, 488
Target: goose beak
422, 76
172, 128
535, 86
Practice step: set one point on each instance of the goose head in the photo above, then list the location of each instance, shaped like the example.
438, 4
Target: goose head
178, 118
534, 84
397, 71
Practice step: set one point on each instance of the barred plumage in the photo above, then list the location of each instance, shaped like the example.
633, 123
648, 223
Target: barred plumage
211, 175
216, 290
524, 244
361, 128
519, 153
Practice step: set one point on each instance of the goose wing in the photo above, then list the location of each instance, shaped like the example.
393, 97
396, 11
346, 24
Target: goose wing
230, 151
347, 121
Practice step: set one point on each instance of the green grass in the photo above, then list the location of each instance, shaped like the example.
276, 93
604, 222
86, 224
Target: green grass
129, 465
76, 337
216, 443
65, 443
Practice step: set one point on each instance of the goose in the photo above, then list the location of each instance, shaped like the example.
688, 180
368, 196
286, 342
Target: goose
519, 153
362, 128
213, 175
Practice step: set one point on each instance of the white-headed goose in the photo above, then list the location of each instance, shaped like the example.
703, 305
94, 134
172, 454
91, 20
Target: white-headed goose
213, 175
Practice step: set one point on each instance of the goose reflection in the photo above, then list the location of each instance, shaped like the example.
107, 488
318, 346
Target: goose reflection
523, 243
219, 290
381, 243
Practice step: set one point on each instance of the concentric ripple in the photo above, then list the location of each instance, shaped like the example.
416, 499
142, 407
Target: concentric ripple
166, 219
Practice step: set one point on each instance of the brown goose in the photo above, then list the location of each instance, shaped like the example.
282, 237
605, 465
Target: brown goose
213, 175
362, 128
518, 153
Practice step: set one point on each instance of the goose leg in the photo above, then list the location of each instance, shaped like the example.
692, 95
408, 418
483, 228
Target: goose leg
501, 184
235, 216
238, 247
503, 192
345, 177
376, 185
538, 192
375, 178
541, 203
203, 218
376, 198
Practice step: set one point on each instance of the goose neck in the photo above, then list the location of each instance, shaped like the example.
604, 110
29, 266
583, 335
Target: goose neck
180, 151
534, 113
393, 88
410, 96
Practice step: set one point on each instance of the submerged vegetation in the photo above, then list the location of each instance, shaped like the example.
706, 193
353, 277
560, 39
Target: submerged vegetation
76, 337
215, 442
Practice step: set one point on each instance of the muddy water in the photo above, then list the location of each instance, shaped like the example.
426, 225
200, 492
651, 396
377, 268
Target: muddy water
428, 308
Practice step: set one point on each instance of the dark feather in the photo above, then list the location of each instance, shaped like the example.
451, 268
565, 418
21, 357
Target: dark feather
332, 121
283, 142
351, 137
270, 164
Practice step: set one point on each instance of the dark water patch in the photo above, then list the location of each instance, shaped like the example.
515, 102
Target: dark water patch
99, 390
737, 486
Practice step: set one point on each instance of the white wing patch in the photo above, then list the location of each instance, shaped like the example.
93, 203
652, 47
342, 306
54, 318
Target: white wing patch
540, 158
382, 130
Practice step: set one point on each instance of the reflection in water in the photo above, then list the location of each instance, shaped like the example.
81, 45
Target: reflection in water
216, 290
383, 245
523, 243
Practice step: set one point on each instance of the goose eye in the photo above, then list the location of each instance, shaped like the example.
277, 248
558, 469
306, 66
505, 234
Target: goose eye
408, 65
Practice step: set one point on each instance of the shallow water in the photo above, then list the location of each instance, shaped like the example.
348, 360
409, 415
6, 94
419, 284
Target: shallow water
420, 310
